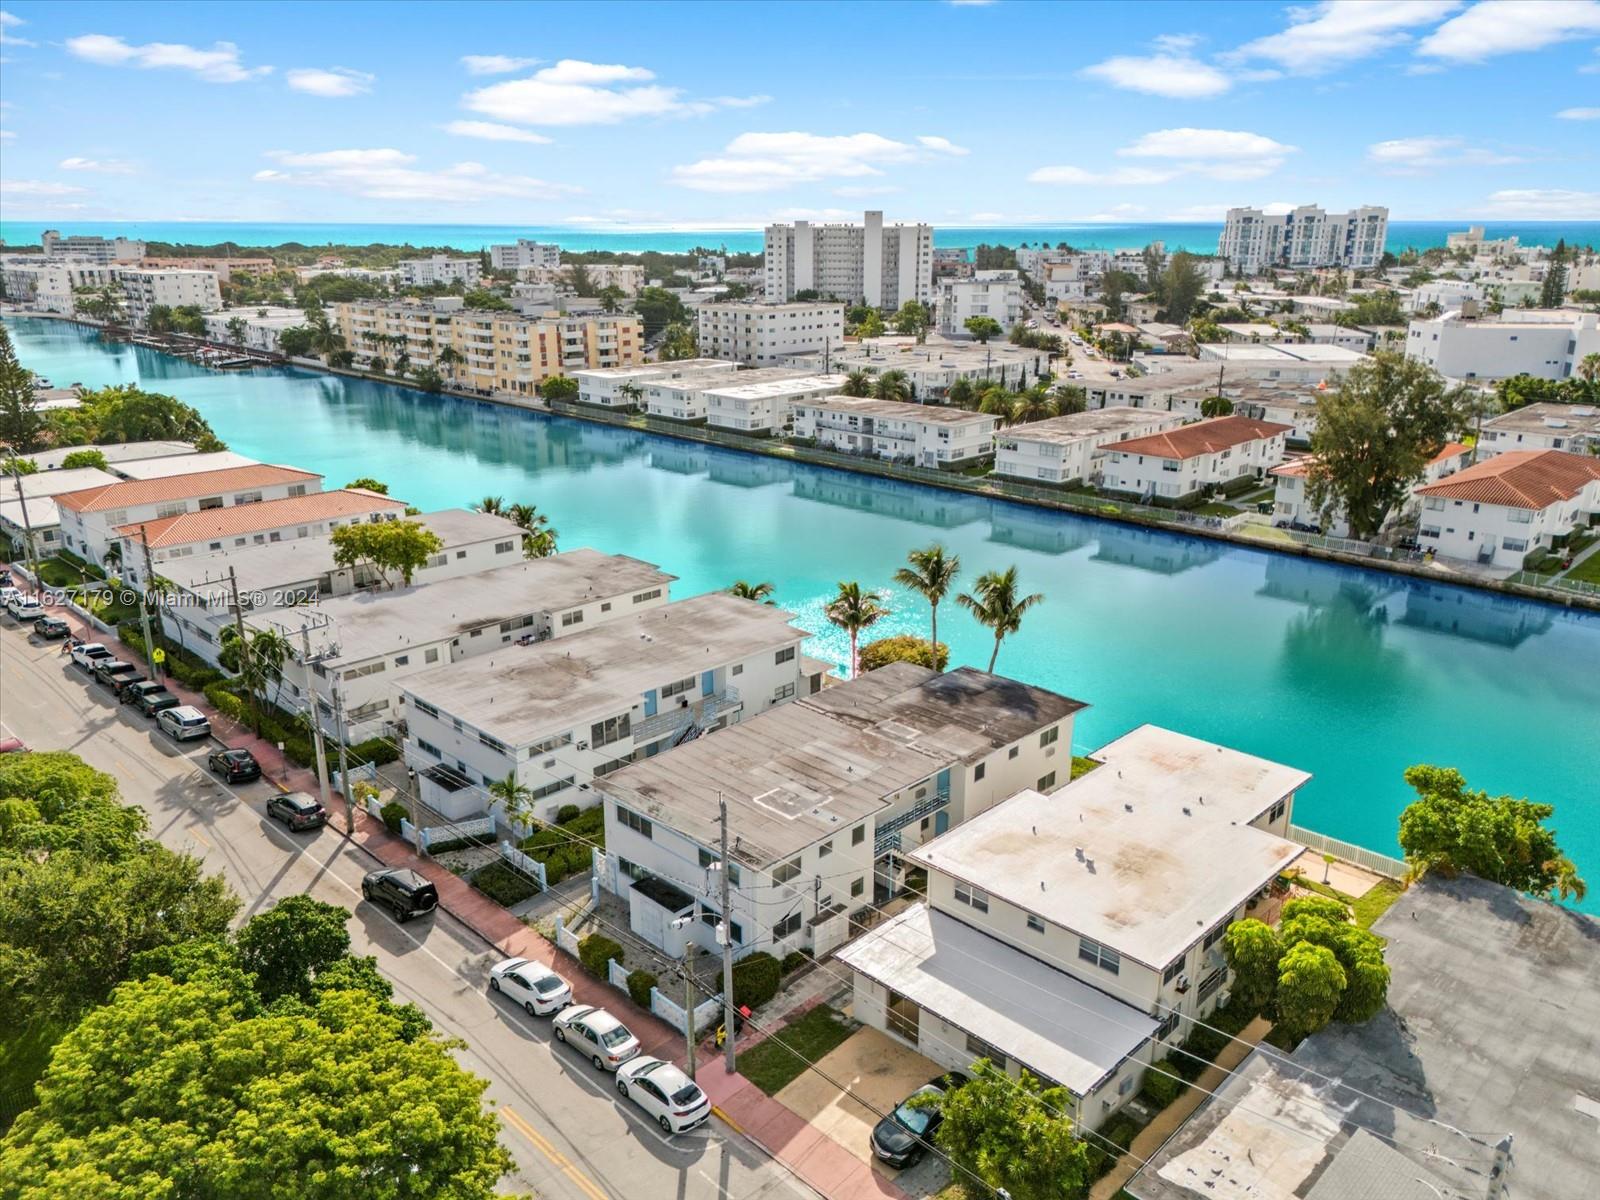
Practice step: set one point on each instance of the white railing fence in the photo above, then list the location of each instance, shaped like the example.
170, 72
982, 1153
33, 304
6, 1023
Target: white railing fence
1383, 864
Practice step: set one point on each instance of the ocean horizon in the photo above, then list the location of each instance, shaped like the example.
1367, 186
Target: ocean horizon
1199, 237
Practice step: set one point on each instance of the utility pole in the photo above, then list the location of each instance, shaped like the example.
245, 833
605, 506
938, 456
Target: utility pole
344, 761
144, 606
316, 718
684, 965
30, 552
244, 643
727, 940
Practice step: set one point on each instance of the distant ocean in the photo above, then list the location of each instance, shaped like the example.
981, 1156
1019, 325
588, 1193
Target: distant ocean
1201, 238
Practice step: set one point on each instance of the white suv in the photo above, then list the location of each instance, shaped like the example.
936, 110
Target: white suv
184, 723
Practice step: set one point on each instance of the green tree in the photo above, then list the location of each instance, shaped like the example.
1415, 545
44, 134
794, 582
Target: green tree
872, 325
368, 484
295, 342
1589, 368
389, 546
678, 343
982, 328
22, 425
657, 308
1375, 435
84, 458
961, 393
892, 385
857, 383
51, 800
237, 329
538, 538
288, 945
930, 572
484, 300
580, 279
129, 414
517, 798
559, 387
1310, 982
996, 401
1216, 406
427, 378
495, 505
1553, 291
752, 591
1252, 950
1114, 285
1181, 286
1033, 405
1451, 829
450, 359
1325, 922
187, 1089
611, 297
912, 319
1070, 398
904, 647
853, 610
1272, 974
997, 605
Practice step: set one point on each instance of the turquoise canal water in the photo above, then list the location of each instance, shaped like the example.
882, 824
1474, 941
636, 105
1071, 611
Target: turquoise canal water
1351, 675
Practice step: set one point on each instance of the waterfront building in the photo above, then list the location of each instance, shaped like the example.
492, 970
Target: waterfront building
627, 388
1571, 427
1077, 935
1547, 344
764, 334
1291, 501
871, 263
223, 268
1499, 511
1070, 449
1473, 241
994, 294
36, 285
84, 247
382, 278
825, 798
524, 253
28, 507
1181, 461
52, 286
144, 289
924, 434
931, 367
561, 715
1303, 239
262, 326
440, 268
763, 406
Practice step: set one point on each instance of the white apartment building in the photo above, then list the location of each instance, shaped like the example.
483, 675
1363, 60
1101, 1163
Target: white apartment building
28, 507
145, 289
1472, 239
629, 277
1072, 448
1498, 511
1177, 462
1570, 427
764, 406
1280, 362
825, 797
1291, 500
627, 387
560, 715
923, 434
765, 334
524, 253
1178, 389
88, 248
440, 268
262, 326
1077, 935
36, 285
994, 294
365, 646
1304, 239
91, 520
931, 367
1546, 344
870, 263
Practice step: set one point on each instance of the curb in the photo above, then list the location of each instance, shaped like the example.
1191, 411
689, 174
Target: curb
721, 1114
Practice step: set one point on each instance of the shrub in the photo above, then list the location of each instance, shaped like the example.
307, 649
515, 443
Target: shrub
1198, 1051
1160, 1087
393, 813
567, 812
225, 702
595, 951
373, 750
794, 959
503, 884
755, 979
1120, 1130
902, 648
639, 985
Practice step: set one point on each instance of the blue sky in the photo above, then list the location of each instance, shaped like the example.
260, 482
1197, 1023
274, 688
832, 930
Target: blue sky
733, 114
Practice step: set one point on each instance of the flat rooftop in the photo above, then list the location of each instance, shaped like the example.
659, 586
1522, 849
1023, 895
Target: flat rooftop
522, 694
1170, 378
787, 385
53, 483
1283, 352
931, 413
370, 624
184, 464
1115, 857
50, 460
1095, 423
1055, 1025
1556, 420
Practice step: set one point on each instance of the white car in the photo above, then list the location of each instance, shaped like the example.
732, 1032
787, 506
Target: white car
531, 984
86, 653
184, 723
17, 600
27, 612
665, 1092
8, 594
607, 1041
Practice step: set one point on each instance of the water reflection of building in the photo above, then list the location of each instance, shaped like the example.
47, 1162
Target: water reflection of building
1310, 581
1149, 550
749, 470
906, 501
1480, 616
681, 458
1041, 530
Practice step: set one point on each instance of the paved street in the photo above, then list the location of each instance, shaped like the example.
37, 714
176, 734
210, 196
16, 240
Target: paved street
571, 1134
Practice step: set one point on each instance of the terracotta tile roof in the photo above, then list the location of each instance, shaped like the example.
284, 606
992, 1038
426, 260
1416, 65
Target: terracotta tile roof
1520, 479
1451, 450
1203, 437
238, 519
180, 487
1296, 467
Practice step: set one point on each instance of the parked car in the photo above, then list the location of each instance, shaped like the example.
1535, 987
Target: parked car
607, 1041
129, 693
152, 703
235, 766
531, 984
85, 653
126, 682
7, 595
52, 629
401, 890
12, 746
297, 810
665, 1092
5, 578
903, 1137
107, 671
184, 723
27, 611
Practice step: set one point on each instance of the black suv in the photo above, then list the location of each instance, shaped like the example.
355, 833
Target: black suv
402, 890
234, 765
51, 628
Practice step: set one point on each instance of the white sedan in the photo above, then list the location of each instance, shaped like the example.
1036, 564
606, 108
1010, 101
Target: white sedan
665, 1092
531, 984
607, 1041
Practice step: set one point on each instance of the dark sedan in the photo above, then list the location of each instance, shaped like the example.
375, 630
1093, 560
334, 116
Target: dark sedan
236, 766
52, 629
903, 1137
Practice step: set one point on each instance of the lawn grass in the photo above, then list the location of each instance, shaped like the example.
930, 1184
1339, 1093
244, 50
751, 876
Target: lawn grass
1375, 902
1081, 766
1588, 571
772, 1067
1214, 509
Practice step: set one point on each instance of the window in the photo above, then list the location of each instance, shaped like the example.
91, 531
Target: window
1014, 751
1050, 736
858, 886
858, 835
503, 547
1215, 936
633, 821
1168, 1025
175, 509
423, 706
428, 748
977, 772
606, 607
575, 617
783, 656
652, 594
493, 743
1046, 782
1103, 957
972, 897
1035, 923
430, 656
614, 729
675, 689
401, 660
551, 743
1277, 810
785, 871
982, 1049
782, 692
738, 669
551, 788
1174, 969
247, 498
785, 928
825, 849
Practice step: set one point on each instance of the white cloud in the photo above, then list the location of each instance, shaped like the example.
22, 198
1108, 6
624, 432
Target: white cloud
1226, 154
853, 190
333, 82
103, 166
1552, 204
1418, 155
1176, 75
762, 162
220, 64
1115, 177
7, 136
1205, 143
1493, 27
495, 64
573, 92
11, 21
387, 174
1325, 36
1579, 114
491, 131
740, 101
38, 187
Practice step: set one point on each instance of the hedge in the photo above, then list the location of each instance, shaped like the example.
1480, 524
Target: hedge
794, 960
393, 813
567, 812
756, 978
1161, 1087
183, 665
595, 951
902, 647
639, 985
1120, 1130
504, 884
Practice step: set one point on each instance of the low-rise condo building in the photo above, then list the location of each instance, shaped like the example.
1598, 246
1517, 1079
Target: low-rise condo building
28, 509
524, 253
1189, 458
924, 434
931, 367
1072, 448
1545, 344
1498, 511
85, 247
627, 387
1571, 427
764, 406
440, 269
765, 334
997, 295
1292, 505
253, 328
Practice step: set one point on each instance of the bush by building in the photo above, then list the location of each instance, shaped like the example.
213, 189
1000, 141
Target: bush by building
595, 951
504, 884
756, 978
639, 984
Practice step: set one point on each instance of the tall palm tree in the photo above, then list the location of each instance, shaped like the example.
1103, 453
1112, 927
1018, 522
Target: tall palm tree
893, 385
1589, 368
538, 539
997, 606
854, 610
1070, 398
1033, 405
961, 394
516, 796
493, 505
857, 383
631, 392
450, 358
752, 591
997, 402
931, 573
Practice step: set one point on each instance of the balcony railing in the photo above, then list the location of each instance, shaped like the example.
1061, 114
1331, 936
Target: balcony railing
674, 721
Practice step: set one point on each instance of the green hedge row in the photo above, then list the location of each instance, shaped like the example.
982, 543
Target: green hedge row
503, 884
1160, 1087
639, 984
756, 978
595, 951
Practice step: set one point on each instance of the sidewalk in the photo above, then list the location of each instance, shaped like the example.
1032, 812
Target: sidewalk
822, 1164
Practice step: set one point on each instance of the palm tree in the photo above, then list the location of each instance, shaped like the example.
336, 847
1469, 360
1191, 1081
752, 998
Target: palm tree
493, 505
931, 574
997, 402
854, 610
631, 392
538, 539
960, 394
269, 650
995, 603
516, 796
1070, 398
450, 358
1589, 368
236, 330
752, 591
1033, 405
893, 385
857, 383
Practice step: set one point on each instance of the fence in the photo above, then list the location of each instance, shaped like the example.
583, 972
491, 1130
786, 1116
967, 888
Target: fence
477, 830
706, 1014
1393, 868
565, 938
530, 867
1576, 587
